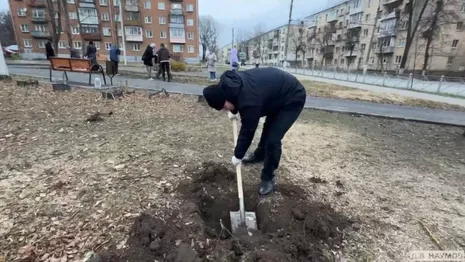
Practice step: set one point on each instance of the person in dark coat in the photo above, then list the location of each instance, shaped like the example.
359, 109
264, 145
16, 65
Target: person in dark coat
147, 57
91, 53
114, 57
163, 56
255, 93
49, 52
74, 53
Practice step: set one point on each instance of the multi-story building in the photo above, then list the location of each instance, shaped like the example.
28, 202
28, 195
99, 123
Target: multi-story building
172, 22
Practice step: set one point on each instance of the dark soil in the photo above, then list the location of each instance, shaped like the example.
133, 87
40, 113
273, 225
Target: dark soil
291, 228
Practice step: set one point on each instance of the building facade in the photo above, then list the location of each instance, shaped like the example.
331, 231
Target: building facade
172, 22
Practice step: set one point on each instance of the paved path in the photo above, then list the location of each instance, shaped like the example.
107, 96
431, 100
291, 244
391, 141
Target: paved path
333, 105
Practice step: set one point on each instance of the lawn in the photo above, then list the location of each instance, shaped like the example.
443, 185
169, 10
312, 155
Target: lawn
152, 181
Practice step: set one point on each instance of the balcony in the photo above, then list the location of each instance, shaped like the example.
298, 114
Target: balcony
356, 10
328, 51
133, 22
332, 17
176, 25
41, 34
87, 3
311, 24
39, 19
37, 3
354, 53
387, 33
134, 38
176, 1
385, 49
391, 15
330, 29
177, 39
176, 11
391, 2
355, 24
275, 42
95, 36
131, 8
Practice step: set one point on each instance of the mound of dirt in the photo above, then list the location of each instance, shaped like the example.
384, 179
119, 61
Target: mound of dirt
290, 227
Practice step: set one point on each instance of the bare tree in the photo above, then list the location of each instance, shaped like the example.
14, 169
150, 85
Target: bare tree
440, 18
64, 3
54, 14
208, 34
6, 29
298, 41
414, 11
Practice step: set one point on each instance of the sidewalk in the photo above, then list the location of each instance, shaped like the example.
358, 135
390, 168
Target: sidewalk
334, 105
373, 88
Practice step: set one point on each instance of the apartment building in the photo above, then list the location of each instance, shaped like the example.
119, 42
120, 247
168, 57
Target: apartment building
371, 34
271, 45
172, 22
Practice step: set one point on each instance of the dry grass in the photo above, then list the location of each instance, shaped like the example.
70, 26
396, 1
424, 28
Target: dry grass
68, 186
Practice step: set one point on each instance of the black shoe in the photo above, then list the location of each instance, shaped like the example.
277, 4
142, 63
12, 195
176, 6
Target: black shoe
266, 187
251, 158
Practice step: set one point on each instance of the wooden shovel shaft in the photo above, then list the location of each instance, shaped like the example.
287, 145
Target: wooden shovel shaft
239, 177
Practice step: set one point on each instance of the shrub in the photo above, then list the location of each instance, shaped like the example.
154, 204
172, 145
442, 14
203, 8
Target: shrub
177, 66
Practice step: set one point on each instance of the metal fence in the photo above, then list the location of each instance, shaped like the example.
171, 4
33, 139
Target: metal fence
430, 84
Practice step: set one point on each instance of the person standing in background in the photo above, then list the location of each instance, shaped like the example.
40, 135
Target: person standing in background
256, 57
147, 57
164, 56
91, 53
74, 53
114, 57
49, 52
211, 65
234, 59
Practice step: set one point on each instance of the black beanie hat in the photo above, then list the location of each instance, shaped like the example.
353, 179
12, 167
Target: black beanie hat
215, 96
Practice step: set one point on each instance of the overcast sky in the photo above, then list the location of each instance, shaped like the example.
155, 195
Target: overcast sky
247, 14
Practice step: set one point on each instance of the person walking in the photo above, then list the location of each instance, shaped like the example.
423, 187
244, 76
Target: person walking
211, 65
255, 93
234, 59
49, 52
114, 54
164, 56
91, 53
147, 57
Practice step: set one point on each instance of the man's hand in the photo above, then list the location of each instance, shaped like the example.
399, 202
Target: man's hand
236, 161
232, 116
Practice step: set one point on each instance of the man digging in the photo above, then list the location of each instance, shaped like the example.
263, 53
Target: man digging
255, 93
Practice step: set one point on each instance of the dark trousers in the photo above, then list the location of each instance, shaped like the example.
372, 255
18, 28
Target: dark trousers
256, 65
165, 67
274, 129
212, 75
115, 66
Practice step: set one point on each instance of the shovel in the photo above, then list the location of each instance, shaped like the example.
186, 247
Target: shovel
241, 219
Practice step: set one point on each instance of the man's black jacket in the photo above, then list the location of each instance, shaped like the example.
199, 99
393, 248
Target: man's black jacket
259, 92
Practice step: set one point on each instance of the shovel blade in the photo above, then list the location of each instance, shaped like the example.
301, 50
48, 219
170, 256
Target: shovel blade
250, 220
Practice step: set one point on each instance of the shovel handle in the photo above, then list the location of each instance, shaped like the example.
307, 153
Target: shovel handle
239, 176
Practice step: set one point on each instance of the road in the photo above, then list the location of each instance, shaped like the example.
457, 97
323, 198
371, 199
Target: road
333, 105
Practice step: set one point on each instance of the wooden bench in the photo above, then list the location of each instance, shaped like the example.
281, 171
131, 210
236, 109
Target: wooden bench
76, 65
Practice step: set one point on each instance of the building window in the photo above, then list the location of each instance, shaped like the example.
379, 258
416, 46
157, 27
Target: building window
22, 12
176, 19
40, 28
190, 8
342, 61
162, 34
148, 34
147, 5
162, 20
335, 61
104, 2
363, 46
177, 32
176, 6
97, 45
134, 30
401, 43
455, 43
116, 2
365, 32
161, 6
135, 47
385, 60
77, 44
118, 18
27, 43
459, 26
367, 17
70, 1
41, 44
370, 3
75, 30
190, 22
463, 8
105, 17
106, 31
148, 19
61, 44
107, 46
398, 59
24, 28
72, 15
190, 35
450, 59
178, 48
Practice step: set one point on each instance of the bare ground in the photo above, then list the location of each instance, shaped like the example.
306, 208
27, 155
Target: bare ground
68, 186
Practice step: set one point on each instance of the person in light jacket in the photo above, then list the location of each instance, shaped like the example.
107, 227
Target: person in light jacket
233, 59
211, 65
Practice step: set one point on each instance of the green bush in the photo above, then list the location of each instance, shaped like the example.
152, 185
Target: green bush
177, 66
16, 56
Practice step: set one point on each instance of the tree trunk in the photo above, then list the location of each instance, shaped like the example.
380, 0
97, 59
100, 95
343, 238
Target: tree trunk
411, 31
431, 31
204, 48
